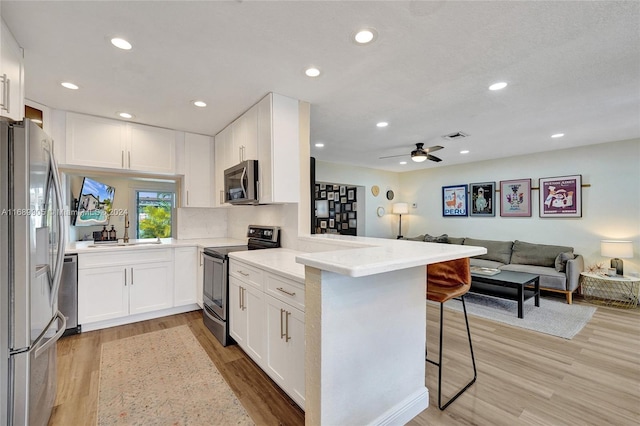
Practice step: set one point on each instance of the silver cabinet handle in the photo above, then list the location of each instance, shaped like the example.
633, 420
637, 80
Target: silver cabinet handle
221, 196
285, 291
3, 80
244, 306
201, 257
125, 277
129, 152
131, 276
243, 273
122, 159
8, 95
282, 333
187, 197
286, 320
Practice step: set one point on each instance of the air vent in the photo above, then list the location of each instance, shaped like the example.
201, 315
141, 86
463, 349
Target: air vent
456, 135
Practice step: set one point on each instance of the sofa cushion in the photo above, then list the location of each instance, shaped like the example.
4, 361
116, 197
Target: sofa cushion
536, 254
456, 240
498, 251
561, 260
483, 263
549, 277
444, 238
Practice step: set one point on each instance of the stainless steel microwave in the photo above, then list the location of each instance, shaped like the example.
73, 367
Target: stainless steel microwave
241, 183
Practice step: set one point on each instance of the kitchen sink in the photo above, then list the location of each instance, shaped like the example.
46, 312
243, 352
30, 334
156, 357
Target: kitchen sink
119, 244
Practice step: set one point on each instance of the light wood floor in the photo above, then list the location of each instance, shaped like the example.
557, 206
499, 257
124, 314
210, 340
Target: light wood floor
524, 377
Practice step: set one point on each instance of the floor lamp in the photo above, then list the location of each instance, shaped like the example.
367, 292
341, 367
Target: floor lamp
400, 209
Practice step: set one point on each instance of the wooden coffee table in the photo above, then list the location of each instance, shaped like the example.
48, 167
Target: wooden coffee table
518, 286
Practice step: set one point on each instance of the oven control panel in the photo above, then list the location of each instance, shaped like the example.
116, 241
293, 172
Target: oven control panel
267, 233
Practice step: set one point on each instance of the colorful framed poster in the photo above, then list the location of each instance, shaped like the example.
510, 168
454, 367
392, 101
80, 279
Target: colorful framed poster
561, 196
483, 196
454, 200
515, 198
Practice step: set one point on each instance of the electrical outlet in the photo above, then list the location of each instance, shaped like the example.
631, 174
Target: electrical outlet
414, 205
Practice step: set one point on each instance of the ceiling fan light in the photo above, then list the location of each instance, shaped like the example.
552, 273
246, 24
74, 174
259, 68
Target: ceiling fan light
418, 157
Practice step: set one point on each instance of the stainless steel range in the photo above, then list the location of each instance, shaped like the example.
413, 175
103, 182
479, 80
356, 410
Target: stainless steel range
216, 278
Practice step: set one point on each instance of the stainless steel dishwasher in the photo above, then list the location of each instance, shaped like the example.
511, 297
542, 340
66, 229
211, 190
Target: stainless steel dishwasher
68, 293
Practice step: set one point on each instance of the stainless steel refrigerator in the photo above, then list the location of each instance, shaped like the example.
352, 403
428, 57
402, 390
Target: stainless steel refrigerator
31, 259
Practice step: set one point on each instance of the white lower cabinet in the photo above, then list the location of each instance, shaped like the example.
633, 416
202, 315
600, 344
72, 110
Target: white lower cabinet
118, 284
266, 319
186, 276
285, 347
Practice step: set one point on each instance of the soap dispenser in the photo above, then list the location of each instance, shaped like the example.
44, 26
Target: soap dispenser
112, 233
104, 236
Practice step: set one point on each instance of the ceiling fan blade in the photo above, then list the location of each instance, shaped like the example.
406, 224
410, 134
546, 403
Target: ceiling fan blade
392, 156
434, 148
434, 158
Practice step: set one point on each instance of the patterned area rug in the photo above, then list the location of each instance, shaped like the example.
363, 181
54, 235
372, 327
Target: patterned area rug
164, 378
555, 318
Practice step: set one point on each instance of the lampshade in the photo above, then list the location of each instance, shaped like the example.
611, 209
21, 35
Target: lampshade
400, 208
619, 249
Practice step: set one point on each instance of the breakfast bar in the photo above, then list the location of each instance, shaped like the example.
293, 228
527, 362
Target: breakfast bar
365, 327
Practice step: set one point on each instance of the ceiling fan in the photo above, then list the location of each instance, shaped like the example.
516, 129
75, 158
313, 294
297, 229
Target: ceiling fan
421, 154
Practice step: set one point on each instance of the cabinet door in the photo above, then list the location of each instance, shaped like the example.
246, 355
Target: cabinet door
96, 142
197, 174
237, 312
200, 278
222, 146
186, 275
246, 141
103, 294
285, 348
151, 149
12, 73
150, 287
256, 340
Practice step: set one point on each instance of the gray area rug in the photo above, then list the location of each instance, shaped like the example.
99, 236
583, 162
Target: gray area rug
555, 318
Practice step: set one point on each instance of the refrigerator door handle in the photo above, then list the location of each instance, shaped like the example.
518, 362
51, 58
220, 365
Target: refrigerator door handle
57, 274
54, 339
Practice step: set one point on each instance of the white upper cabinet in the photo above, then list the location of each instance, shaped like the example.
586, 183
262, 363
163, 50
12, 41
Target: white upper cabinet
104, 143
198, 173
11, 76
278, 149
245, 137
223, 146
151, 149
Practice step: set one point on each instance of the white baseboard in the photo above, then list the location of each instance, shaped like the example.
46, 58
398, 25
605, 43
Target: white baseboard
406, 410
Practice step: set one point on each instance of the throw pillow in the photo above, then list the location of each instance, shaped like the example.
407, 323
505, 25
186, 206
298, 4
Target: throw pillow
561, 260
444, 238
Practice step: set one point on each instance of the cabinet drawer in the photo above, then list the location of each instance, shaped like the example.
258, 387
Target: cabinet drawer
110, 258
247, 274
286, 290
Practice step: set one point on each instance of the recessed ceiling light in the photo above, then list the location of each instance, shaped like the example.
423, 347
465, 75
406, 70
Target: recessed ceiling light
319, 145
403, 162
498, 86
382, 124
464, 151
365, 36
200, 104
557, 135
125, 115
312, 72
69, 85
121, 43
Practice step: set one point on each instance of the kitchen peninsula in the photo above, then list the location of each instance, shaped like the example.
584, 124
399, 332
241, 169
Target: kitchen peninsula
365, 322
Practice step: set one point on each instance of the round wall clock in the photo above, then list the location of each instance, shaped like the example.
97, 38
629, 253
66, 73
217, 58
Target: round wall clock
380, 211
375, 190
390, 195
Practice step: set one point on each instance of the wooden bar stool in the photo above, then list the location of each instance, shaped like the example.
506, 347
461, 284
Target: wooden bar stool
446, 281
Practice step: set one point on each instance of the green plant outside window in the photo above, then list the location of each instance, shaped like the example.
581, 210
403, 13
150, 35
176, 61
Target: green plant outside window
154, 214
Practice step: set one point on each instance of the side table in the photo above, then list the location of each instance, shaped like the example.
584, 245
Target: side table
618, 291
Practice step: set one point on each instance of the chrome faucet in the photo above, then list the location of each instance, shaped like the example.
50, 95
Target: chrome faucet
126, 228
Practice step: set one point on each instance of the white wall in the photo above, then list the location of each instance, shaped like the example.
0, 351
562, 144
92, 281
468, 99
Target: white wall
374, 226
610, 206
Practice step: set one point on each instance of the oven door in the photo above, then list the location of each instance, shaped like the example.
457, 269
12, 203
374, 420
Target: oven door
216, 282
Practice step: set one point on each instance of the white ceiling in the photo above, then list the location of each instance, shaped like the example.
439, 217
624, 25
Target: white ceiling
572, 67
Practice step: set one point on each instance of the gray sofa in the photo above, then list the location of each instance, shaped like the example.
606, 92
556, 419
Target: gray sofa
559, 267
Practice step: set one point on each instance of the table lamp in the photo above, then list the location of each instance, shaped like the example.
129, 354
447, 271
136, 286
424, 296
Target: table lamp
617, 250
400, 209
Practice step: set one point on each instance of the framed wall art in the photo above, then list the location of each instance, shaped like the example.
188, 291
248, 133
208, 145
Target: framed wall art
454, 200
483, 196
561, 196
515, 198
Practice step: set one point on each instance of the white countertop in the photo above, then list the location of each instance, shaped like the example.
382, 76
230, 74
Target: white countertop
279, 261
150, 243
362, 256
